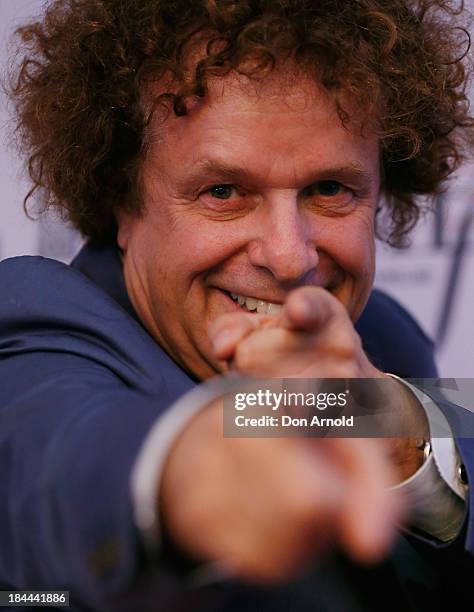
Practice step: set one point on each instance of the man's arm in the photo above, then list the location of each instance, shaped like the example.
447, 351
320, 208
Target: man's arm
81, 385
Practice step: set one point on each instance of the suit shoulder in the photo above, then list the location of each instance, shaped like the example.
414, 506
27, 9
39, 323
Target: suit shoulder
54, 319
382, 304
50, 310
393, 338
38, 285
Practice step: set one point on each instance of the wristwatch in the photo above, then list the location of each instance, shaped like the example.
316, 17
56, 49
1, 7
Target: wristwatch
425, 446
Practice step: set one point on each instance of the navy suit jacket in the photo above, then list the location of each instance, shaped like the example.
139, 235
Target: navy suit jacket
81, 383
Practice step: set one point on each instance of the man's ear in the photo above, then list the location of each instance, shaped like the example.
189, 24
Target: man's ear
125, 222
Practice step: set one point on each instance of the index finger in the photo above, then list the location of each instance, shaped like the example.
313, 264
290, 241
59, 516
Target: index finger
309, 309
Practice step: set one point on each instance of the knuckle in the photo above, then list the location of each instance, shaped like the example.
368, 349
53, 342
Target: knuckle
345, 350
244, 358
336, 346
343, 344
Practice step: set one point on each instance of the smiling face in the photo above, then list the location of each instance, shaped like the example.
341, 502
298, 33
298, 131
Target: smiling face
252, 193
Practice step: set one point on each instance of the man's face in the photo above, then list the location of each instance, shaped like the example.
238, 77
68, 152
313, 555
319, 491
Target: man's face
253, 193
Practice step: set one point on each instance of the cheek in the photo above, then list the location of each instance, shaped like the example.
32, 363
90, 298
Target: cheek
351, 243
197, 245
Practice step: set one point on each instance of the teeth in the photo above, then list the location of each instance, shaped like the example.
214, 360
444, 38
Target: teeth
260, 306
274, 309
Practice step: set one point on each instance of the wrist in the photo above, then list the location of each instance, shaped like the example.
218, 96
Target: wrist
410, 452
406, 456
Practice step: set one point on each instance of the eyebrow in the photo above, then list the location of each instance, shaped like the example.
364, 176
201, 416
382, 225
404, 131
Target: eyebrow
220, 170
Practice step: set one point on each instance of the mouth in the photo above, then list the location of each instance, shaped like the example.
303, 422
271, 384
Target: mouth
254, 305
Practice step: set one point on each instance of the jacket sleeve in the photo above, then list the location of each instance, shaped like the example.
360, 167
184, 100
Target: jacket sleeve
81, 384
396, 344
460, 416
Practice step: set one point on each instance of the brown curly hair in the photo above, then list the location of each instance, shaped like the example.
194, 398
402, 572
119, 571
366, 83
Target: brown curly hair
82, 69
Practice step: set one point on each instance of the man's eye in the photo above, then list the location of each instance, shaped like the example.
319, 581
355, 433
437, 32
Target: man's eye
328, 188
222, 192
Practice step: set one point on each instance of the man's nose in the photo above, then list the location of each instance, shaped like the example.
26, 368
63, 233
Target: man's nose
282, 241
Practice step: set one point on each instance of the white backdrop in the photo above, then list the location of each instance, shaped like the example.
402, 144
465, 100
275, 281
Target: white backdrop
434, 279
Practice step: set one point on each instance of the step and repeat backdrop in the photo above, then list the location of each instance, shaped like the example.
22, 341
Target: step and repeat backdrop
433, 278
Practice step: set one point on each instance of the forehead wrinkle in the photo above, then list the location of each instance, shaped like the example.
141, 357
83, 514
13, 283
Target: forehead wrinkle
224, 170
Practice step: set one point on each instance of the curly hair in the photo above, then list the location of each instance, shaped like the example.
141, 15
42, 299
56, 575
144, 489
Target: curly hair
82, 68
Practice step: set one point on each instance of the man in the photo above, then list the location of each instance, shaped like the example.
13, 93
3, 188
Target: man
227, 161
